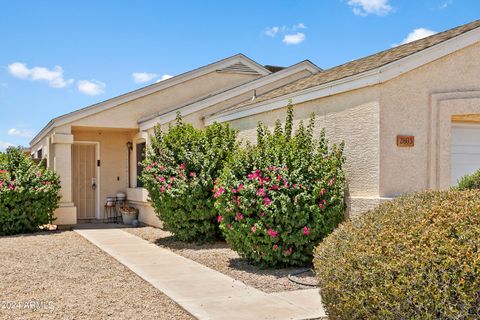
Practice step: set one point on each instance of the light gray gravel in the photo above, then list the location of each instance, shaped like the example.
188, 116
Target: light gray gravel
220, 257
60, 275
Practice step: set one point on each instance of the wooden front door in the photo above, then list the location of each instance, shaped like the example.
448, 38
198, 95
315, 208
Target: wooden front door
84, 177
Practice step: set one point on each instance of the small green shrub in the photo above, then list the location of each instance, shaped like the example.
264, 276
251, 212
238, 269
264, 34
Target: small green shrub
28, 193
179, 172
469, 181
277, 200
416, 257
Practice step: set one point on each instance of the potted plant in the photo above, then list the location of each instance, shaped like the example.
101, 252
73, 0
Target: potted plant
128, 214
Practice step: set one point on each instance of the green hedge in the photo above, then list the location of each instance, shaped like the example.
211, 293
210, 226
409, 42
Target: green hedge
28, 193
179, 172
469, 181
278, 199
416, 257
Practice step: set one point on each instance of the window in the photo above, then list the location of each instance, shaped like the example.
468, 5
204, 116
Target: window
39, 154
140, 157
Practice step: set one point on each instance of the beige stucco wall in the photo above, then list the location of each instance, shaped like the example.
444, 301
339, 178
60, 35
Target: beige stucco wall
128, 114
352, 117
411, 104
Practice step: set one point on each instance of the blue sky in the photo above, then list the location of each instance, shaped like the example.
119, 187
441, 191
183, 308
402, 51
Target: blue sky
58, 56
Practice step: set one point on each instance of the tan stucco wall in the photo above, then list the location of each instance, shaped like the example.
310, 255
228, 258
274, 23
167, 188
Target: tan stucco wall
113, 157
409, 105
128, 114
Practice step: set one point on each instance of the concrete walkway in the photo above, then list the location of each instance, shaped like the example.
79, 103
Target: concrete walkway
205, 293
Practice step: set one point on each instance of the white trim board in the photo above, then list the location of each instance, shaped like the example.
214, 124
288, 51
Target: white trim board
365, 79
189, 108
108, 104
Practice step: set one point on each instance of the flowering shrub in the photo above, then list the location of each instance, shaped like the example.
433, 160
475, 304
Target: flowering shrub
179, 172
278, 199
28, 193
416, 257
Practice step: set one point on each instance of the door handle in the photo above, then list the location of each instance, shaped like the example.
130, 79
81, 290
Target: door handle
94, 183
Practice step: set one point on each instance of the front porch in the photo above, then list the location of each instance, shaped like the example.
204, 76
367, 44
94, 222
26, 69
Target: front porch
95, 163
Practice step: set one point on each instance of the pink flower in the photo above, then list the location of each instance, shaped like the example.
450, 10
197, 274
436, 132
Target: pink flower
254, 229
289, 251
39, 174
182, 166
172, 178
321, 206
193, 174
272, 233
240, 187
3, 171
254, 175
219, 218
262, 214
332, 182
261, 192
275, 247
275, 187
306, 230
11, 187
322, 192
162, 189
239, 216
216, 181
161, 178
161, 168
229, 226
266, 201
219, 192
279, 177
169, 186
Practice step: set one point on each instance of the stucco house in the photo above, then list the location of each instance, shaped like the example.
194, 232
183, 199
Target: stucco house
409, 116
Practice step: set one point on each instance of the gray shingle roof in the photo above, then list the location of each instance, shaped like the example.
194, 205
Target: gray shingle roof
364, 64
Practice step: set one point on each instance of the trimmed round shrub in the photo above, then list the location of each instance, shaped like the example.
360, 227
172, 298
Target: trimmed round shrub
28, 193
278, 199
179, 172
416, 257
469, 181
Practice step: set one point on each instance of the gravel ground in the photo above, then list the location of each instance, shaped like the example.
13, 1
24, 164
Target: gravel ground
69, 278
220, 257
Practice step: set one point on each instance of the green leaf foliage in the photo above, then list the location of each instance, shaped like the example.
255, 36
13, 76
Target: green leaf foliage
469, 181
179, 172
416, 257
278, 199
28, 193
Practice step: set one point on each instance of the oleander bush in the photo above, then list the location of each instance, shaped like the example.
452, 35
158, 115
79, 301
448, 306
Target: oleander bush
469, 181
28, 193
416, 257
278, 199
179, 172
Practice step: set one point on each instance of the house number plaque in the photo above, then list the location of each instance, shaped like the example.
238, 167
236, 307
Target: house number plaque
405, 141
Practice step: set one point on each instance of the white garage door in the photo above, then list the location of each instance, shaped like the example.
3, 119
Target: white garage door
465, 150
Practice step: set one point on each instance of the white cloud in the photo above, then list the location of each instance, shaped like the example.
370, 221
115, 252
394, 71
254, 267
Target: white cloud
91, 87
299, 26
53, 77
141, 77
416, 34
20, 133
445, 4
366, 7
4, 145
296, 38
272, 32
164, 77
